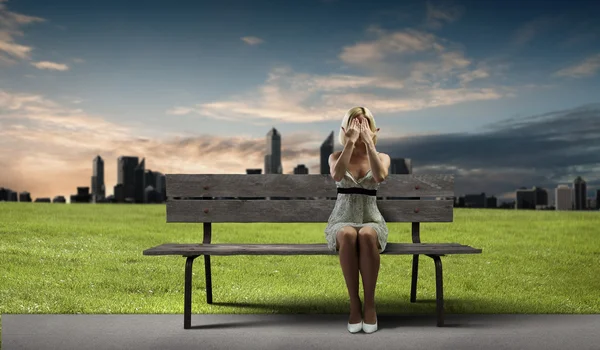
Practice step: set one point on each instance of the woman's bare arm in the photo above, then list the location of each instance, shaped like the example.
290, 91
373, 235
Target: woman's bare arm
338, 162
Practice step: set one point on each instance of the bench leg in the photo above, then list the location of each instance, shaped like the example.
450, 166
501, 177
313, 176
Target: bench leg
207, 274
439, 289
187, 298
415, 274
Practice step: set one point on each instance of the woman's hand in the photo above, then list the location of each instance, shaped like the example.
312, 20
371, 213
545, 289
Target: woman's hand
366, 134
353, 131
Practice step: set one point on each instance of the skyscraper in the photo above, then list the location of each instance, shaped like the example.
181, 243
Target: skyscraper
580, 193
126, 176
326, 151
400, 166
563, 198
98, 189
273, 155
140, 181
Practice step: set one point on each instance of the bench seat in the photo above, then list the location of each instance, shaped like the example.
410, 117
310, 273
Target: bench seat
302, 249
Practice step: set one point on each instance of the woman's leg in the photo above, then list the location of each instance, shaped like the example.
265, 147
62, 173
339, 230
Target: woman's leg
369, 261
347, 246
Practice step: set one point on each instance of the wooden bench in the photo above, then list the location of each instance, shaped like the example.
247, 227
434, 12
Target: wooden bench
187, 202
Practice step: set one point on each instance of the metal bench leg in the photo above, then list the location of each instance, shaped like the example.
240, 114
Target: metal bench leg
439, 289
187, 298
415, 274
207, 274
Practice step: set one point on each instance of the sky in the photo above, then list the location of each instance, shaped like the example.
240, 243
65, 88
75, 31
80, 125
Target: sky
503, 94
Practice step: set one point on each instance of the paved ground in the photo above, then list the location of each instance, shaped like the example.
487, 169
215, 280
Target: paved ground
308, 331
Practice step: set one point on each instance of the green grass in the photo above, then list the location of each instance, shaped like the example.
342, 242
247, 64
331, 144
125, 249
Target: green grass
77, 258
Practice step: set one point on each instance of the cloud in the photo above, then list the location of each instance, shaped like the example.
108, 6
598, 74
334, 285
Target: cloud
50, 65
10, 29
534, 28
49, 147
540, 150
252, 40
403, 71
439, 13
586, 68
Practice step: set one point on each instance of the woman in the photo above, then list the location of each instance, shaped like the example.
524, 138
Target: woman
355, 227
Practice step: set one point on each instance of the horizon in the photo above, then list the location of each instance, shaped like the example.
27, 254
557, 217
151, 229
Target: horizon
498, 94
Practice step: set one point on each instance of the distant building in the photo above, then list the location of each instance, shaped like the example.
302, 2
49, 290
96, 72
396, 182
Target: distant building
475, 200
400, 166
7, 195
598, 199
161, 185
126, 176
253, 171
24, 196
534, 198
325, 152
491, 202
579, 193
42, 200
525, 199
140, 181
98, 188
563, 197
119, 193
300, 169
59, 199
273, 155
151, 195
83, 195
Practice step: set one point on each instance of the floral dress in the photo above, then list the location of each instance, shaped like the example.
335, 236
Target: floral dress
356, 210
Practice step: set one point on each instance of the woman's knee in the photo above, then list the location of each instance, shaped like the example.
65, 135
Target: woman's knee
347, 235
367, 236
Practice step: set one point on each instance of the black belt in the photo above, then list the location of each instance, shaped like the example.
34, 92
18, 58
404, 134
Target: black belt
357, 190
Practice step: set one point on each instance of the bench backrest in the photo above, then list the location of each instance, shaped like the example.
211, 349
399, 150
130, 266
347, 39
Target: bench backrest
200, 198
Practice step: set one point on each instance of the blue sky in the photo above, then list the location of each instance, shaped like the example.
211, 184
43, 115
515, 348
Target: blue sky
195, 86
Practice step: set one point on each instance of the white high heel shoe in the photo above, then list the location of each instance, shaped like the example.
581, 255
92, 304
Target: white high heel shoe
355, 327
369, 328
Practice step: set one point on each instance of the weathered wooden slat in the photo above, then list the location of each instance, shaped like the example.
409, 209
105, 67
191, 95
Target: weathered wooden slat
300, 210
288, 185
301, 249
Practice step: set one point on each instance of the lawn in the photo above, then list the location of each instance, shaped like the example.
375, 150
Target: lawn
80, 258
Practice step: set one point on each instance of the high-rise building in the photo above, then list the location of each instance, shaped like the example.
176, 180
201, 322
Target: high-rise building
579, 193
273, 155
475, 200
541, 197
563, 197
525, 199
161, 187
301, 169
533, 198
140, 181
400, 166
150, 178
126, 177
326, 151
98, 189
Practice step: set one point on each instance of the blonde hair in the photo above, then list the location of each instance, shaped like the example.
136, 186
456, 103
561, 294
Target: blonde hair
353, 113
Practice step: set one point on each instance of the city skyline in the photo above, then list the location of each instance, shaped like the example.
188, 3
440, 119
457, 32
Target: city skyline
501, 95
134, 181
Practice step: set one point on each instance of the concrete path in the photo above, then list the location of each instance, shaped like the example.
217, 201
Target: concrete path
306, 331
